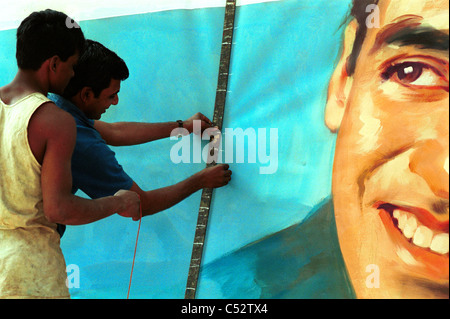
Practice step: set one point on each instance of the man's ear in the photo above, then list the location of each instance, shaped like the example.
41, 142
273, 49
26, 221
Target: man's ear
53, 63
86, 94
340, 82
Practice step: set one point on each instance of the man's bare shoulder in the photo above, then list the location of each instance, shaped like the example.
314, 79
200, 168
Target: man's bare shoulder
51, 130
51, 121
53, 116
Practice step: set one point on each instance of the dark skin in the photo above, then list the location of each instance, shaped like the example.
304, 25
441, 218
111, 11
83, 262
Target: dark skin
132, 133
52, 136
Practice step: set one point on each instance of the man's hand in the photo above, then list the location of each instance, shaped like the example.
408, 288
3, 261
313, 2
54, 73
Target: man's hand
189, 123
131, 204
215, 176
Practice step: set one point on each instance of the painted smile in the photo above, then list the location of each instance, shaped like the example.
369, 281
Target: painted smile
419, 227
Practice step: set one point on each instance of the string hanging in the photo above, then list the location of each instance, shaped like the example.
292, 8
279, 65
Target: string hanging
135, 248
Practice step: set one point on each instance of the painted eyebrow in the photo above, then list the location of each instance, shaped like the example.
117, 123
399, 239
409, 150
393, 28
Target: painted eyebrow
423, 37
409, 31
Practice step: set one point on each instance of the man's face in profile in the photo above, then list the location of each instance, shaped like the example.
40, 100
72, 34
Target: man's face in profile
96, 106
391, 170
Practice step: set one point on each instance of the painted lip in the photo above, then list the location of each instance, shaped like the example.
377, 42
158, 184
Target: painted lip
422, 215
434, 264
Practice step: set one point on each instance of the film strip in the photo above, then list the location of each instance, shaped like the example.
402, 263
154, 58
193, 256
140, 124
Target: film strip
219, 108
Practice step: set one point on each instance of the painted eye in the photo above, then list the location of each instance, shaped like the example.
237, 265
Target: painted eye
410, 72
415, 74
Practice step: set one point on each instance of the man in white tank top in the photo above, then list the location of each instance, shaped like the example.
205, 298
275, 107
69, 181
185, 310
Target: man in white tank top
36, 144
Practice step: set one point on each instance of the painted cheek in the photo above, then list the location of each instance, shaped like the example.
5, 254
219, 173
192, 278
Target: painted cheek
371, 126
430, 161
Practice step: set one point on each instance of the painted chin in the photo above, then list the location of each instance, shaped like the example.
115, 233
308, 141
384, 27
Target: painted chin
420, 241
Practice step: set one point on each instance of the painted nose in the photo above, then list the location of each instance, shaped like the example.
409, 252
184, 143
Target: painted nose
431, 162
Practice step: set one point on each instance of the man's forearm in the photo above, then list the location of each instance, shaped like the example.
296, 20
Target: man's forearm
74, 210
161, 199
133, 133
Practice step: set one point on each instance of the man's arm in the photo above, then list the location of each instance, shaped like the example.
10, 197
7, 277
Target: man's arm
160, 199
58, 130
134, 133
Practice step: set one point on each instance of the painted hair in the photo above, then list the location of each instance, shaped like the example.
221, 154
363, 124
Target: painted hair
359, 13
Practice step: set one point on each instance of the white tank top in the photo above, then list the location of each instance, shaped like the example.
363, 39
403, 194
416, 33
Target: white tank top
31, 260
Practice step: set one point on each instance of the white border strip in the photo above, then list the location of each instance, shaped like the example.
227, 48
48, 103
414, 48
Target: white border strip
12, 14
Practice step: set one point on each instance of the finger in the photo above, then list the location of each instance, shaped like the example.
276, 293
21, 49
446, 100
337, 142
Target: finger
206, 125
204, 118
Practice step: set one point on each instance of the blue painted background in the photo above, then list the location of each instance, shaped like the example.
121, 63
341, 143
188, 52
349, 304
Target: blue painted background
283, 55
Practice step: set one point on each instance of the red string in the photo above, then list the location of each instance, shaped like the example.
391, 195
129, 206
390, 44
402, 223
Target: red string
135, 248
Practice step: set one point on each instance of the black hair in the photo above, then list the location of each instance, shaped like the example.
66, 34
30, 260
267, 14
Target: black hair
44, 34
359, 13
96, 67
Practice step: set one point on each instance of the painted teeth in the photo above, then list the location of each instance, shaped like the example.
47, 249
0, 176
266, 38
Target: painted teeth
421, 235
440, 243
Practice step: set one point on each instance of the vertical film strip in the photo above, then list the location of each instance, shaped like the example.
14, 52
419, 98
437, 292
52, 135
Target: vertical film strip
219, 108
